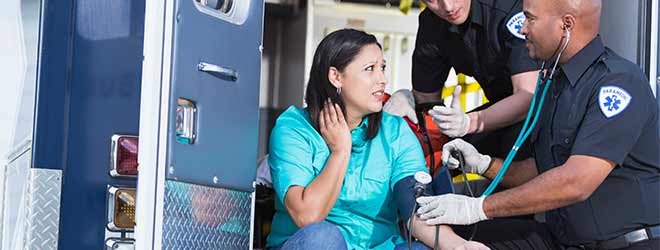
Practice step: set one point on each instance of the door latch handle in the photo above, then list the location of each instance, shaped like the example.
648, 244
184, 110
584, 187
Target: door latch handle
218, 71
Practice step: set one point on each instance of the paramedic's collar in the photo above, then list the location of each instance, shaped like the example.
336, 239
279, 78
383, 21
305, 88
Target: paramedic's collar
474, 17
580, 62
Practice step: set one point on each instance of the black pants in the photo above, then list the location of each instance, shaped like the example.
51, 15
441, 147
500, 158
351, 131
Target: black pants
516, 234
499, 234
498, 143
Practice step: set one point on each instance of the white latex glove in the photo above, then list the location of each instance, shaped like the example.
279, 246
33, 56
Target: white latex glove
475, 162
451, 209
402, 103
451, 120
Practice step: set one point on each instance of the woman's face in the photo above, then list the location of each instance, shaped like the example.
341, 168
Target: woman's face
363, 81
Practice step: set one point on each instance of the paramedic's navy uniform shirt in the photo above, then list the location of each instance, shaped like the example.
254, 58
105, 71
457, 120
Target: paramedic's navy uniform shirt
488, 46
601, 105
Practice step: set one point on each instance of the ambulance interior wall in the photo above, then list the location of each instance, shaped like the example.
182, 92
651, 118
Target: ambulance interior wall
282, 69
622, 28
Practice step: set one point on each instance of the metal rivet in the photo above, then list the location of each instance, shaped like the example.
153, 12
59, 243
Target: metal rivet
566, 140
178, 17
658, 79
171, 170
216, 179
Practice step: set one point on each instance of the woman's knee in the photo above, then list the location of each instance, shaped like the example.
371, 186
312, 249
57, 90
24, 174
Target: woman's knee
323, 229
318, 236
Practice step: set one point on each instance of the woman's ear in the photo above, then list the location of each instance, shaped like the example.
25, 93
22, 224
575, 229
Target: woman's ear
334, 76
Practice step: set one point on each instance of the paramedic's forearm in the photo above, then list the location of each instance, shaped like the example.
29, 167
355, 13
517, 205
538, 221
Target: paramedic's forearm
318, 198
542, 194
447, 239
509, 110
558, 187
518, 173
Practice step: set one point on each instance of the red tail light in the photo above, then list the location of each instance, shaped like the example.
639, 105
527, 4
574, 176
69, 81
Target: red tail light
124, 156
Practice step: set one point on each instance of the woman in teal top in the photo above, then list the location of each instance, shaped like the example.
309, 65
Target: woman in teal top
335, 164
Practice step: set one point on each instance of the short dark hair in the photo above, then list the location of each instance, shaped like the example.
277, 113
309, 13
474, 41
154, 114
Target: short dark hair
337, 49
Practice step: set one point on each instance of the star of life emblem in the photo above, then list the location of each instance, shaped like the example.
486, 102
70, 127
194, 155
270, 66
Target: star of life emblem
613, 100
515, 24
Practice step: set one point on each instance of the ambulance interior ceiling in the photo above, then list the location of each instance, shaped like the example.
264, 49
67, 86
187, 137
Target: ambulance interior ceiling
625, 28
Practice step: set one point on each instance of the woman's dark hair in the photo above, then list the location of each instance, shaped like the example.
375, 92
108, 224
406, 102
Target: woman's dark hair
337, 49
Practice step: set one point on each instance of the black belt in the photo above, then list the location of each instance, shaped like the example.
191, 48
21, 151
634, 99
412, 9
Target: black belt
625, 240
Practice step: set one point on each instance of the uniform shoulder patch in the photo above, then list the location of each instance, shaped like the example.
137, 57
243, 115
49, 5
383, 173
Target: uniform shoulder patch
613, 100
515, 24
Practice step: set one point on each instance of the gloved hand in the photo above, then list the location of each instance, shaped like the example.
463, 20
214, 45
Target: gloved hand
475, 162
402, 103
451, 209
451, 120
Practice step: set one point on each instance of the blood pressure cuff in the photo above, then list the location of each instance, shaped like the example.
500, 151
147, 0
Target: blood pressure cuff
404, 196
404, 191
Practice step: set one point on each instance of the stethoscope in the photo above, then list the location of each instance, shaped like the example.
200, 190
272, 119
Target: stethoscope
528, 128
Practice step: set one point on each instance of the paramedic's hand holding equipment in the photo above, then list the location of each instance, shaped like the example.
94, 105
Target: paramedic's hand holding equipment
451, 209
451, 120
402, 103
475, 162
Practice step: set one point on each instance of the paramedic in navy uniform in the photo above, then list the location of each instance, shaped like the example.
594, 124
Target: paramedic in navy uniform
480, 38
595, 172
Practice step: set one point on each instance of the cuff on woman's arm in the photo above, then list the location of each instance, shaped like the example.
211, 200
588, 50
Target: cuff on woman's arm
404, 196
